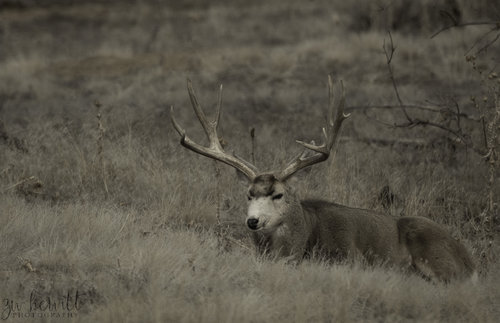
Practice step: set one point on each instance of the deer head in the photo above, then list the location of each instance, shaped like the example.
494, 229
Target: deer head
270, 198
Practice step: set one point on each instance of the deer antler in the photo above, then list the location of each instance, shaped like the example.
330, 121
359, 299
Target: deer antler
215, 149
330, 133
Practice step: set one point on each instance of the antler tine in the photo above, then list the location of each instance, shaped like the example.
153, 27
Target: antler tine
210, 128
219, 105
176, 125
215, 150
335, 118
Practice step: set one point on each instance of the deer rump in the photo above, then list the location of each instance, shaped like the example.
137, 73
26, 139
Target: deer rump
285, 226
337, 233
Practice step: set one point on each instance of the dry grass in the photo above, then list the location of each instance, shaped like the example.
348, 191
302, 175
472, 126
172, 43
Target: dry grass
114, 208
126, 275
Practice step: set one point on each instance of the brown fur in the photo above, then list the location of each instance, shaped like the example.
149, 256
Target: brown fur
287, 227
338, 232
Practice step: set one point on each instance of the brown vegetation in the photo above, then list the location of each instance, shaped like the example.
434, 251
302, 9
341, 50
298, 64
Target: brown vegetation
97, 196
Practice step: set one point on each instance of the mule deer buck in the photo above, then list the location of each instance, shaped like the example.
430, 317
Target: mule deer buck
285, 226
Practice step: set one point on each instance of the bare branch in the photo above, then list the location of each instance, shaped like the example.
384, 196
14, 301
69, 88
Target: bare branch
457, 106
389, 55
465, 24
480, 39
487, 45
426, 108
412, 121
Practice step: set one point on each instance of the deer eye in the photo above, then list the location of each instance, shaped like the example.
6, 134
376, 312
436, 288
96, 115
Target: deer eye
277, 196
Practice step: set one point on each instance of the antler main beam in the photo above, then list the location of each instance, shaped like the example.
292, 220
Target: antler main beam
215, 150
330, 133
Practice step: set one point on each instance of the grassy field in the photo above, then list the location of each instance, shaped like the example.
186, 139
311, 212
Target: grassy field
105, 217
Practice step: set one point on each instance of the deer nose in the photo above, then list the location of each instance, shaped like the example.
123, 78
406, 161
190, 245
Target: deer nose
252, 223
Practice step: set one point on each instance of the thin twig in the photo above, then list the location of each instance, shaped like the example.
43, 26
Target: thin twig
458, 115
418, 122
480, 39
100, 145
252, 136
488, 44
24, 180
428, 108
389, 50
485, 137
217, 193
389, 55
473, 23
120, 230
238, 243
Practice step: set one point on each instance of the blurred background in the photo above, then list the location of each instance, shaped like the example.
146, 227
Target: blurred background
98, 196
86, 86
